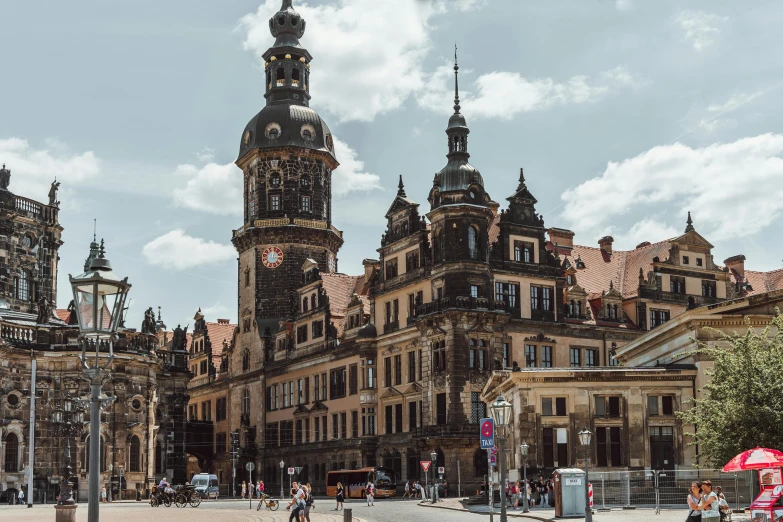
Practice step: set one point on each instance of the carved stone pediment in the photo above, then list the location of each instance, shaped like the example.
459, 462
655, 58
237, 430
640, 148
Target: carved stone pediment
301, 410
391, 393
319, 406
540, 338
481, 328
413, 389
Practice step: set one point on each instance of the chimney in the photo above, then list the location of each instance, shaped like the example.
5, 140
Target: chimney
369, 265
494, 206
606, 244
223, 321
736, 263
564, 238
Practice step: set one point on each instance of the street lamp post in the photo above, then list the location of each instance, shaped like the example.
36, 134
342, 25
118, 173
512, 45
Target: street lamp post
67, 422
523, 449
282, 466
99, 296
434, 457
502, 413
585, 437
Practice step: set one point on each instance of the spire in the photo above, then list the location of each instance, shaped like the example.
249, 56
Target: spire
94, 248
456, 82
689, 227
401, 188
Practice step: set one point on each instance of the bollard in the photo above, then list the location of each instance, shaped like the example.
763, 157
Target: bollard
347, 515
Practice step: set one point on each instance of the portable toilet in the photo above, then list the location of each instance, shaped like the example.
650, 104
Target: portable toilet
569, 486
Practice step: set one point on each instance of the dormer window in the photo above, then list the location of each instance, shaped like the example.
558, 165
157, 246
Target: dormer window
580, 263
570, 279
274, 180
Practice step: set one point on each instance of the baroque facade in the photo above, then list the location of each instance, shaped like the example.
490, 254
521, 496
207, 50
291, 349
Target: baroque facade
142, 432
328, 371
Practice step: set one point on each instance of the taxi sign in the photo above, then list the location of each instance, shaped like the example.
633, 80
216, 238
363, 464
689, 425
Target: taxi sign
487, 430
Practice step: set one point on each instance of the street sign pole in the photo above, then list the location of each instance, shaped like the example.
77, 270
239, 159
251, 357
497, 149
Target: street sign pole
250, 467
490, 493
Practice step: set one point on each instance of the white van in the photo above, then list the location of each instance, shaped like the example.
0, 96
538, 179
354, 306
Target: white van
206, 485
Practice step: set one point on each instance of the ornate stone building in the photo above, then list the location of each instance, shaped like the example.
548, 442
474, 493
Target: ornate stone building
142, 432
328, 371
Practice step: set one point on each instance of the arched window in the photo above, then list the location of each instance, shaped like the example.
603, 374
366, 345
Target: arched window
517, 252
313, 302
269, 78
135, 454
23, 286
280, 77
245, 361
246, 401
11, 453
579, 308
295, 78
472, 244
609, 311
304, 304
614, 311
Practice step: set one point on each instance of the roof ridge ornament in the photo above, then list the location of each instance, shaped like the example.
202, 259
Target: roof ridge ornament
689, 224
401, 188
456, 82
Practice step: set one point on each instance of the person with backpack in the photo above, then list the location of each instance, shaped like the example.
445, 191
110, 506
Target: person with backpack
309, 502
370, 491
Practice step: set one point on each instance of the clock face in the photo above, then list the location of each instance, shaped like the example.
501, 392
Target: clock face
27, 241
272, 257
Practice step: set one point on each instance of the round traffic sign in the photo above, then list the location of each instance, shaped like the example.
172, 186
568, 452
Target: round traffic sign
250, 466
486, 428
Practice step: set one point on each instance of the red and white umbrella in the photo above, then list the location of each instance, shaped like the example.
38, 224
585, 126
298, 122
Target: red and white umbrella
757, 458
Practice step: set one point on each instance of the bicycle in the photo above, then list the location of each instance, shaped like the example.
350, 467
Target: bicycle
270, 503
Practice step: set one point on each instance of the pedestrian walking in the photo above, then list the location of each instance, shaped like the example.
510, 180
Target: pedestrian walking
340, 497
244, 489
445, 489
297, 502
710, 505
103, 494
21, 496
261, 488
407, 489
370, 491
309, 502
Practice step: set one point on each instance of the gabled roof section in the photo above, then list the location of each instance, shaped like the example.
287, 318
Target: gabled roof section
340, 288
692, 238
761, 282
401, 201
219, 332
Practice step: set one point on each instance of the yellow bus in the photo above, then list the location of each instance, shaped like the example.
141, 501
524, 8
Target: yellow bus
355, 481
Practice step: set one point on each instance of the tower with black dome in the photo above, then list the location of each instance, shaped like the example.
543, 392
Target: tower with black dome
286, 154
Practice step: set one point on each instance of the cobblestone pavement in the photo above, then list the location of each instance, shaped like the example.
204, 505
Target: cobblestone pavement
384, 511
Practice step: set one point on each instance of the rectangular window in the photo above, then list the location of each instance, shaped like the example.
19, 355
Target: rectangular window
546, 298
355, 423
411, 366
708, 288
546, 407
662, 447
324, 430
318, 329
667, 401
699, 261
412, 424
298, 437
607, 406
387, 417
474, 291
530, 356
652, 405
478, 410
601, 442
323, 387
411, 306
440, 408
548, 440
658, 317
307, 430
353, 379
411, 261
615, 453
274, 202
272, 434
301, 334
546, 356
335, 426
220, 444
343, 425
337, 383
398, 418
291, 391
391, 268
307, 390
286, 433
285, 395
575, 357
387, 372
591, 357
677, 284
300, 391
523, 251
535, 297
506, 355
560, 407
317, 388
317, 429
305, 203
686, 260
499, 294
397, 370
555, 442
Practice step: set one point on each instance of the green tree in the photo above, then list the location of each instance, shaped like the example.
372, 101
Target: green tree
742, 403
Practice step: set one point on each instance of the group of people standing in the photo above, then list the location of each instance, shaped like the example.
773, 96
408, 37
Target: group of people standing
706, 505
538, 493
301, 501
252, 490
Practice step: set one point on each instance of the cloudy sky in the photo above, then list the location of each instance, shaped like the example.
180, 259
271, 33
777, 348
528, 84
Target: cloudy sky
625, 114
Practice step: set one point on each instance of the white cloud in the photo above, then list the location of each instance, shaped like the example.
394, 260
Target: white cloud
623, 5
34, 169
368, 54
206, 155
219, 311
735, 102
175, 250
647, 229
213, 188
733, 189
469, 5
700, 28
350, 175
504, 94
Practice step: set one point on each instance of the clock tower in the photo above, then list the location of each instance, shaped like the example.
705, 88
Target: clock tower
286, 154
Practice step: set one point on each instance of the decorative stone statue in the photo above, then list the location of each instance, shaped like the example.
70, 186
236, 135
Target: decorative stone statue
44, 310
180, 339
148, 326
53, 193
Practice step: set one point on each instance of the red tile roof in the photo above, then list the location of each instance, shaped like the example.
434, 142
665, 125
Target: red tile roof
340, 288
62, 314
762, 281
494, 229
218, 332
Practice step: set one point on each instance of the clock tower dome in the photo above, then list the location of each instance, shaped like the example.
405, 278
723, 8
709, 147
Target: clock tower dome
286, 154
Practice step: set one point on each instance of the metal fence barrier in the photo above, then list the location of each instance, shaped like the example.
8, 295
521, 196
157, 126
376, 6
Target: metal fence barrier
666, 488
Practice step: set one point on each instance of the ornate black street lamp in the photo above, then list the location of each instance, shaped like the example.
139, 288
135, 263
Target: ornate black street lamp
585, 436
502, 413
68, 421
523, 449
99, 297
434, 460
